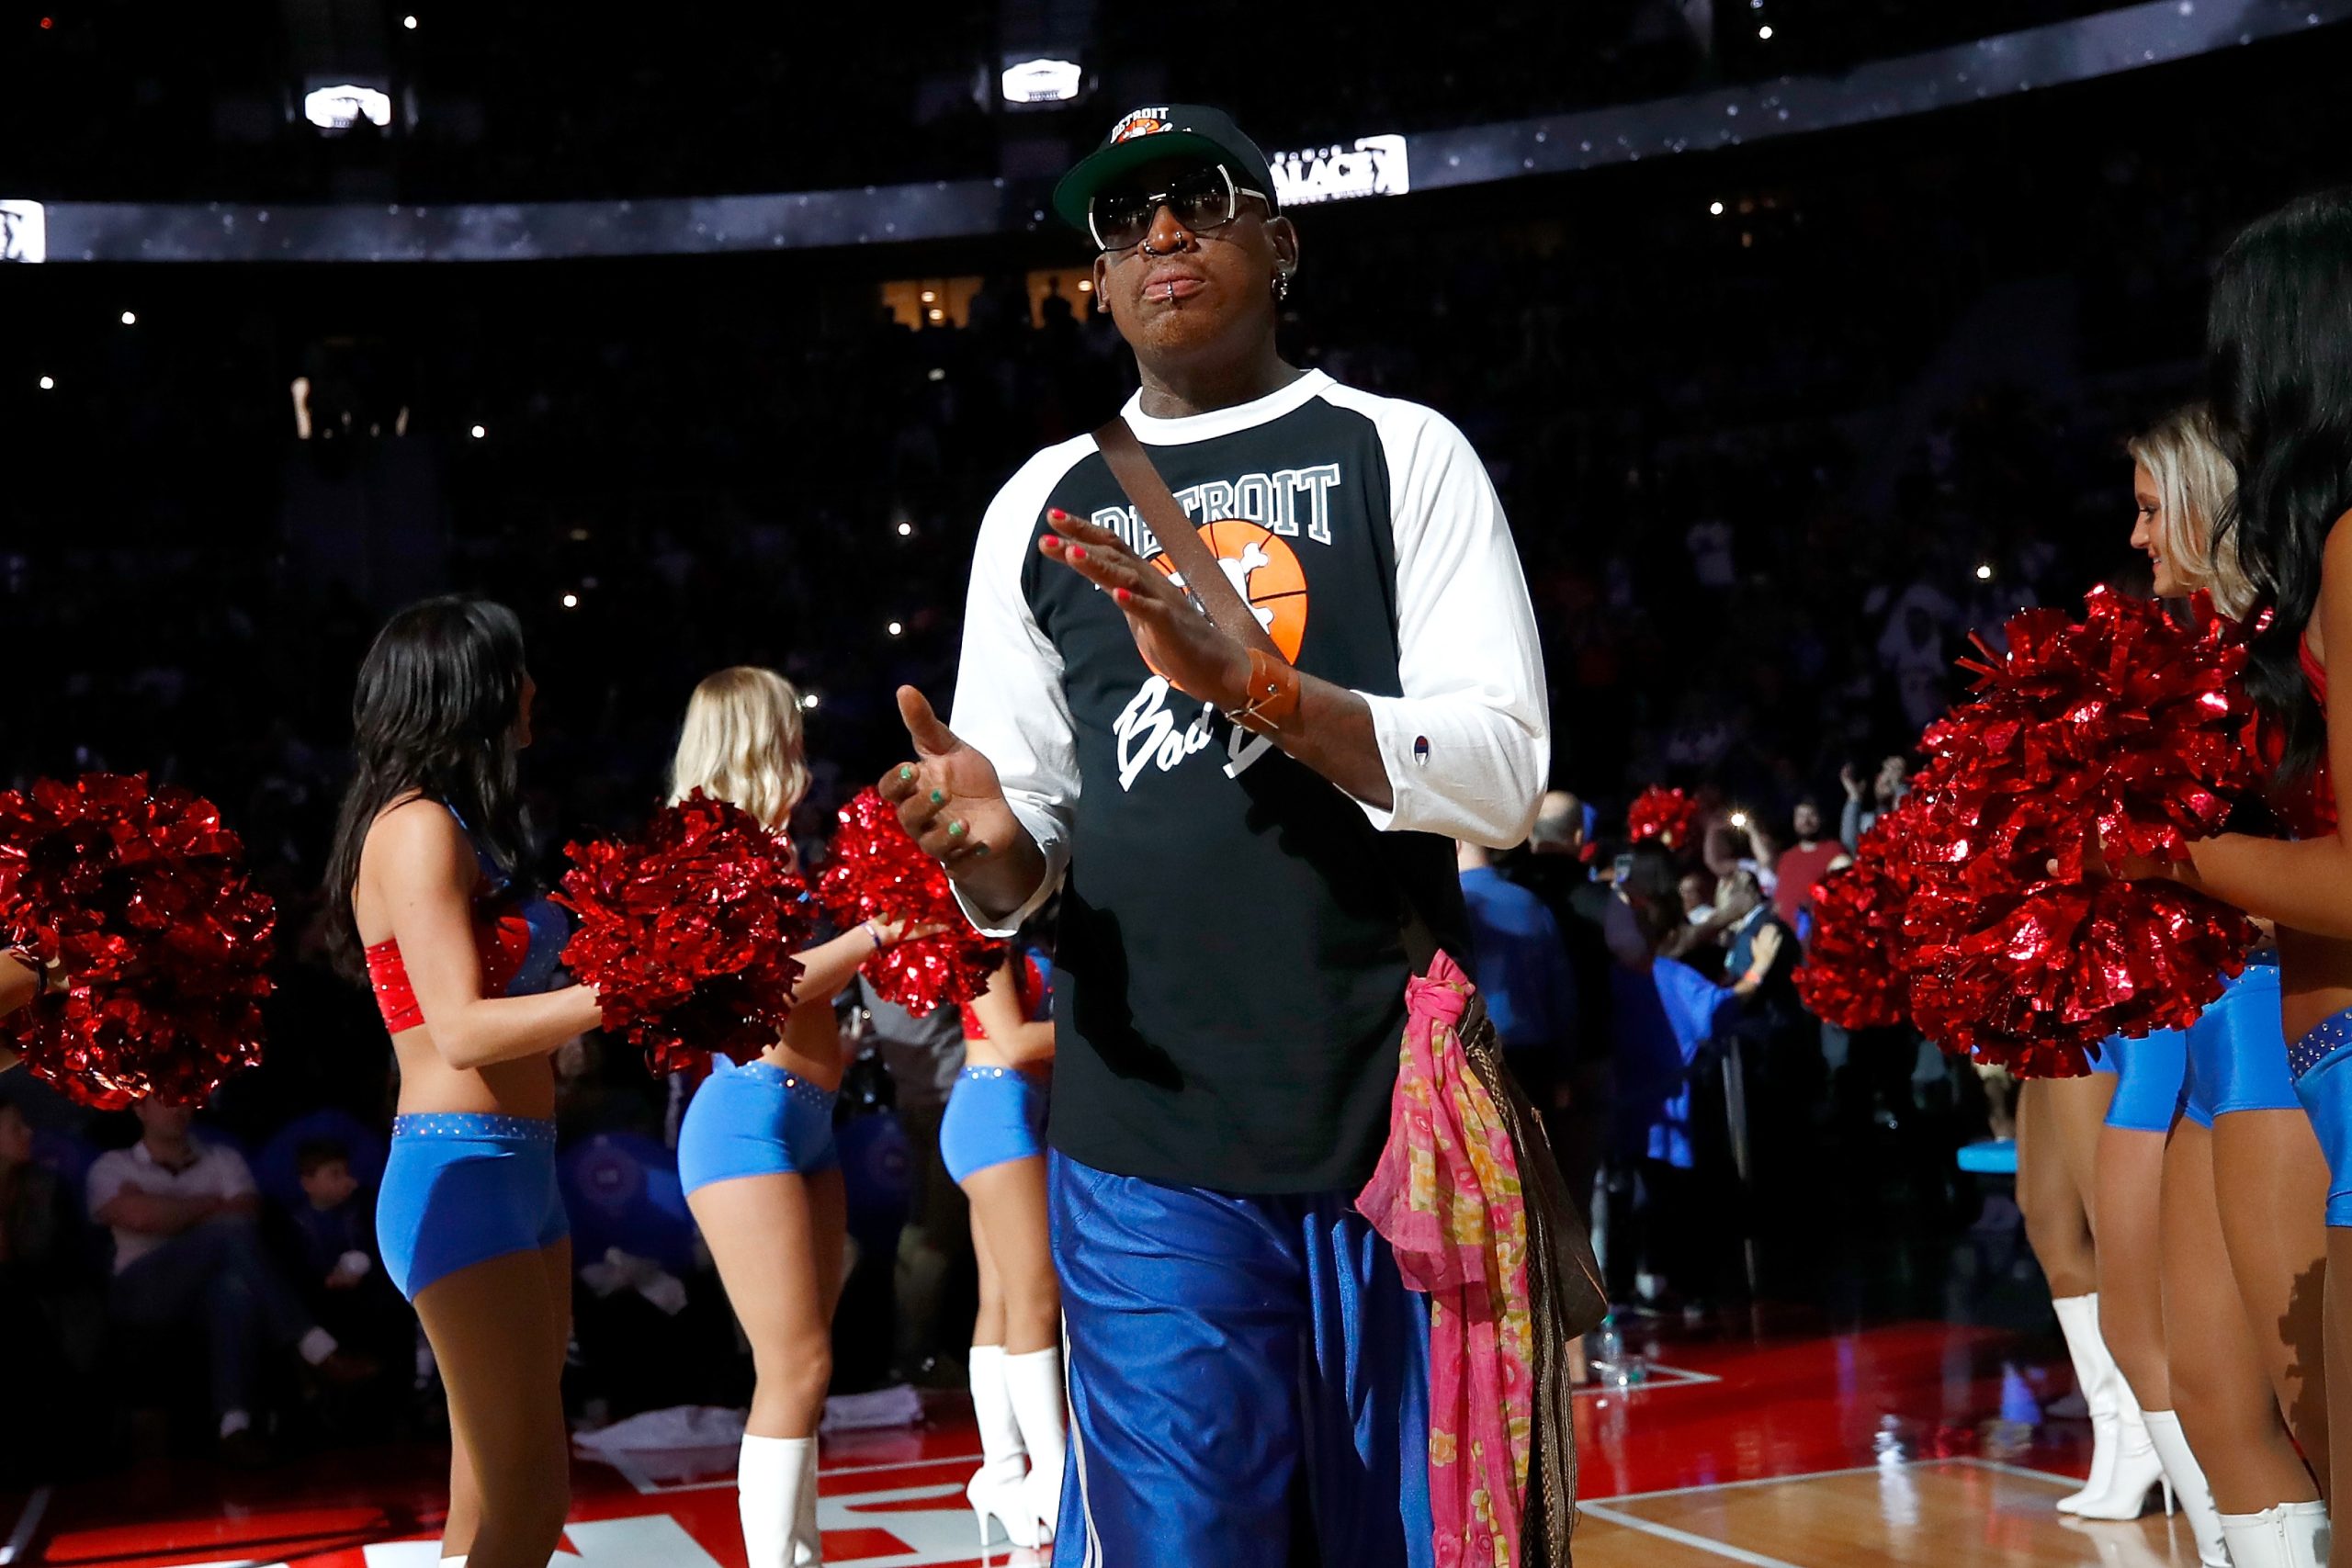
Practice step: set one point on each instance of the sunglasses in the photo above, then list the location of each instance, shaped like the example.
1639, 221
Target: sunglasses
1203, 200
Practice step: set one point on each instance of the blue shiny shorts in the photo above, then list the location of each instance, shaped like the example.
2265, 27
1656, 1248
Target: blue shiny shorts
462, 1188
755, 1120
2322, 1063
2149, 1074
2237, 1055
994, 1116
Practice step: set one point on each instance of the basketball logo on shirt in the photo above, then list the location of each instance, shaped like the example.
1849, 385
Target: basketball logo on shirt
1265, 570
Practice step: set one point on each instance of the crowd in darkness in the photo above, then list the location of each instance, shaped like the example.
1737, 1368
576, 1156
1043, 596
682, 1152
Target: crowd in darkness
1768, 469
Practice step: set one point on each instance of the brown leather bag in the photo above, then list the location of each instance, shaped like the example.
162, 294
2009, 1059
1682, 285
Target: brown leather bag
1564, 1280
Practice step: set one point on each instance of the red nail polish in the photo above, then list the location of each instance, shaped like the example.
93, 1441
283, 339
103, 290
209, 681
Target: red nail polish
1078, 552
1121, 596
1058, 515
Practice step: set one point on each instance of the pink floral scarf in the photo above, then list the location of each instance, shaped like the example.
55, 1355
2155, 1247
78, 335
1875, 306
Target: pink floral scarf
1447, 1197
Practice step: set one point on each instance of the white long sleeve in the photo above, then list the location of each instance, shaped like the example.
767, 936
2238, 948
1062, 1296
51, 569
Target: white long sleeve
1467, 747
1009, 706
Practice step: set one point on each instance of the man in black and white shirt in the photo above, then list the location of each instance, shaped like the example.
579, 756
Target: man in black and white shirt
1231, 976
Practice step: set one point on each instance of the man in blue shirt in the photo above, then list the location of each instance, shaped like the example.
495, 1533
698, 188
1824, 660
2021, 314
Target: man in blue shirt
1521, 967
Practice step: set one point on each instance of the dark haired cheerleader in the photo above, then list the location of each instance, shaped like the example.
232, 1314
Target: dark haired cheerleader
2280, 346
2243, 1181
429, 858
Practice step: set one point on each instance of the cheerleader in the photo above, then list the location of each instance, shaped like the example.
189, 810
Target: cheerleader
755, 1150
430, 861
2280, 346
2243, 1181
2059, 1122
992, 1142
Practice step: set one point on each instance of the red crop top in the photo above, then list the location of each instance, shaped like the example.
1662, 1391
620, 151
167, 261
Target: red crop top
1031, 978
521, 944
503, 935
2307, 807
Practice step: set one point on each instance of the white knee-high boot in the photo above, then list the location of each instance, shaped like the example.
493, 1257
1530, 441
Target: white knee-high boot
2097, 1375
2290, 1535
2136, 1468
2188, 1485
769, 1476
1040, 1405
808, 1541
1004, 1459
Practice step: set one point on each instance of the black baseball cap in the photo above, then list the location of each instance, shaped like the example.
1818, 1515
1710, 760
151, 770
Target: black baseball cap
1166, 130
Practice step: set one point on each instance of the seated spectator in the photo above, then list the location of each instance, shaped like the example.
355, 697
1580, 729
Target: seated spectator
342, 1278
36, 1216
186, 1248
46, 1297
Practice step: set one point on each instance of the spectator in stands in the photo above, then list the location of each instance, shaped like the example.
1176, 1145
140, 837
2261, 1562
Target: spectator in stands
1557, 869
1697, 889
1886, 792
1804, 862
43, 1283
186, 1249
342, 1278
1522, 968
36, 1220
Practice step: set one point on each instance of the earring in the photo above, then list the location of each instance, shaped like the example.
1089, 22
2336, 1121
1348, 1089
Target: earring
1281, 286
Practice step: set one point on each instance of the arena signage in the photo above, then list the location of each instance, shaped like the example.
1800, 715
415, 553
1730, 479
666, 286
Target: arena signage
24, 231
1374, 165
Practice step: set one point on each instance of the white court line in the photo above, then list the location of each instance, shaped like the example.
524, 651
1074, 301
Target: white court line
1757, 1481
1684, 1538
20, 1540
648, 1487
1675, 1377
2024, 1472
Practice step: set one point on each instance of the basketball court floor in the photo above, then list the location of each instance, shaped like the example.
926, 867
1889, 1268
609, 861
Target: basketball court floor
1771, 1446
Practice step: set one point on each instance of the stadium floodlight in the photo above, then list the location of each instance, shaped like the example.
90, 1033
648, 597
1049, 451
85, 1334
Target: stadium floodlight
341, 107
1043, 82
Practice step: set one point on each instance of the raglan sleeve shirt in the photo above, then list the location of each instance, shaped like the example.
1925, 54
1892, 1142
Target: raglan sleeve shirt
1467, 746
1464, 744
1010, 704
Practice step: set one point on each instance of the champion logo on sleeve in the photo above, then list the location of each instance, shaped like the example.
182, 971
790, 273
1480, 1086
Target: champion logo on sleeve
1421, 750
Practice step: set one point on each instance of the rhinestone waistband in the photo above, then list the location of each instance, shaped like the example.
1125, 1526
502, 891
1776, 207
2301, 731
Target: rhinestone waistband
2320, 1044
473, 1125
806, 1091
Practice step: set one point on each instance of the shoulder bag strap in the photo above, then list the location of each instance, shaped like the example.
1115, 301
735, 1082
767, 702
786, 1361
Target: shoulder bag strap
1209, 587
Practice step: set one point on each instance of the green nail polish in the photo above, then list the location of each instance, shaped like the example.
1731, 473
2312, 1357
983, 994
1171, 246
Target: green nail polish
979, 849
938, 797
905, 773
954, 829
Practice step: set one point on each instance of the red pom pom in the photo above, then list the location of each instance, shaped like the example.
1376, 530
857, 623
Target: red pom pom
2122, 728
687, 931
1669, 815
1853, 973
879, 872
140, 895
